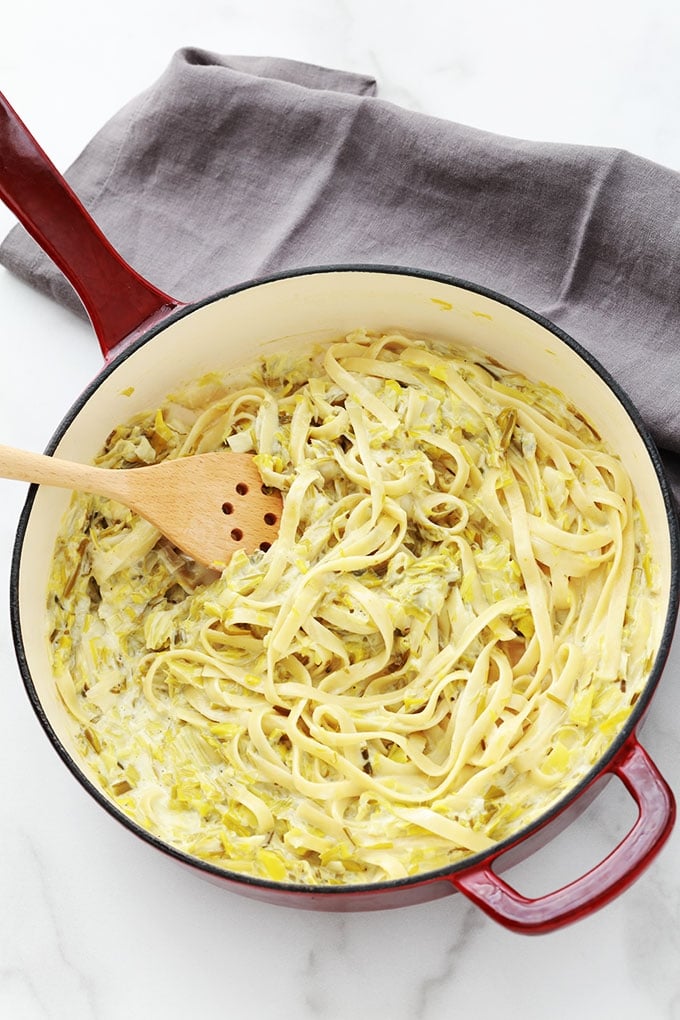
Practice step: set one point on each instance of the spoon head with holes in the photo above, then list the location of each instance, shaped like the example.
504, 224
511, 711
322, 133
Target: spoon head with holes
211, 505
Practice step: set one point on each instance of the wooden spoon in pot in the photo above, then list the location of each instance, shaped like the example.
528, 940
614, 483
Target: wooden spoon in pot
208, 505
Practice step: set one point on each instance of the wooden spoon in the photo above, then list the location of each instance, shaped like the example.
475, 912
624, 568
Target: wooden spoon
208, 505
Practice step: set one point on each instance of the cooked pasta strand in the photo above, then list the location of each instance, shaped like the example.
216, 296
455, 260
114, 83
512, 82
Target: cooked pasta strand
458, 611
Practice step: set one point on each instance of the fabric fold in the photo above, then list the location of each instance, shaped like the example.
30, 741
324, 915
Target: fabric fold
231, 167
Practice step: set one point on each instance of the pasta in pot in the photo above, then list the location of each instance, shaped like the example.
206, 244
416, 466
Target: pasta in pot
456, 618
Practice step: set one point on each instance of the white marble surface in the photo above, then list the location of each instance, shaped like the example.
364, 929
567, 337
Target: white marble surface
94, 924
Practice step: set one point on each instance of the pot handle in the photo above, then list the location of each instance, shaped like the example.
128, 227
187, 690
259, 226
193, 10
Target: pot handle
656, 815
121, 303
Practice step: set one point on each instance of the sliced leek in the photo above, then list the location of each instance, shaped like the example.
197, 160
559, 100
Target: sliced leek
460, 601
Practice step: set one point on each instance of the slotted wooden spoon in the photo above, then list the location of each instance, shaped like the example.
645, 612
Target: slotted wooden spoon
208, 505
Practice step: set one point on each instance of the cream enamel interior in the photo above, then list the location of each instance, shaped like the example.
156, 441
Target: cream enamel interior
231, 330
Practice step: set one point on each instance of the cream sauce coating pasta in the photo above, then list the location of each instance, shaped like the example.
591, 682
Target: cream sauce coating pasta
456, 618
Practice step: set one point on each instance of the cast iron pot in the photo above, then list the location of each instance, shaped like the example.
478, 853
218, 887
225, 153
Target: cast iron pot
153, 343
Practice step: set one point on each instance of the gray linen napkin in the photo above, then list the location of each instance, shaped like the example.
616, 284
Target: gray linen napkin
228, 168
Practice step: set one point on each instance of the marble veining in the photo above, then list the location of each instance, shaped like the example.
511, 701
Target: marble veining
94, 925
41, 967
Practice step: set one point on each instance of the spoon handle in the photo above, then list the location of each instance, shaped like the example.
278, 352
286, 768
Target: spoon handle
25, 466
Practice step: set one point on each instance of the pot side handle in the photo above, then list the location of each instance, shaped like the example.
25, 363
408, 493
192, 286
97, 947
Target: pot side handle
120, 303
656, 815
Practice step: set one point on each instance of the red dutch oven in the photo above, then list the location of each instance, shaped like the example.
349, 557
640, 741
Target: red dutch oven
152, 344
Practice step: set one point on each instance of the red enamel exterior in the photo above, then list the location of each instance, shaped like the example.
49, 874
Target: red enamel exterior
123, 306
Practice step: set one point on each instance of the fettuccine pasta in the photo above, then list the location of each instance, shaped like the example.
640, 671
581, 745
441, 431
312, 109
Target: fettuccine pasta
457, 616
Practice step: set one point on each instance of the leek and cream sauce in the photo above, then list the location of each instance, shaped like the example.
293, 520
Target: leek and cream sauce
454, 622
